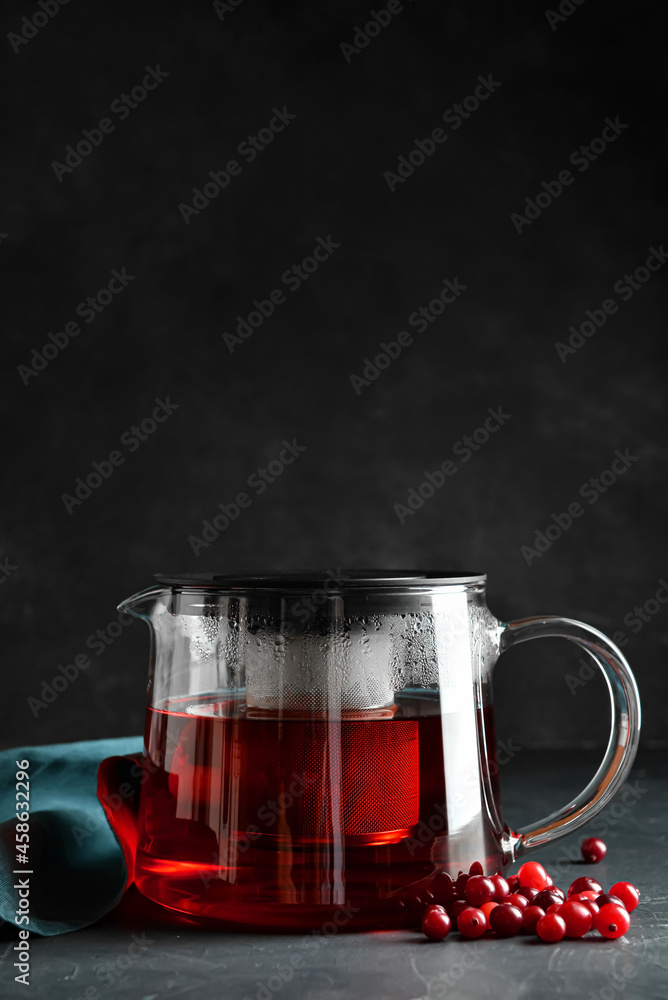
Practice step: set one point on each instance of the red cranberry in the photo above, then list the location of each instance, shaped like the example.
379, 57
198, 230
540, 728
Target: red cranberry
454, 909
554, 907
612, 921
628, 894
533, 874
471, 922
460, 885
606, 897
436, 923
442, 888
513, 882
517, 899
577, 918
487, 909
506, 920
476, 869
527, 891
583, 884
546, 897
480, 890
502, 888
593, 850
551, 927
579, 897
530, 918
413, 904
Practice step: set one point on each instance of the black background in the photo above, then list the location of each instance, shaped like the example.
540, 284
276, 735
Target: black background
322, 176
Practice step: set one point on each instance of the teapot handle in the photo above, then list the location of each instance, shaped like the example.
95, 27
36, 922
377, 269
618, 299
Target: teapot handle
624, 731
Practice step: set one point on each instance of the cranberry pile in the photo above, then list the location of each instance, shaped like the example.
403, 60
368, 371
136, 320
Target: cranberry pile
529, 902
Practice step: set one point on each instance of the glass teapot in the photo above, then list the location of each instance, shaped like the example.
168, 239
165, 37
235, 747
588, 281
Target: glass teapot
321, 749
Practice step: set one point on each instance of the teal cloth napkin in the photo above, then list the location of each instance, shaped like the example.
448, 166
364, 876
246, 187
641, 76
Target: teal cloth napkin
77, 865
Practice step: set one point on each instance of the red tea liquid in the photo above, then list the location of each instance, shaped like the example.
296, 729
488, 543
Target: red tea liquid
286, 821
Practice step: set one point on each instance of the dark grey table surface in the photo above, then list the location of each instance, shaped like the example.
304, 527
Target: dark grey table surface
170, 960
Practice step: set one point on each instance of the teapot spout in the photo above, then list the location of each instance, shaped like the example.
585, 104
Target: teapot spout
142, 604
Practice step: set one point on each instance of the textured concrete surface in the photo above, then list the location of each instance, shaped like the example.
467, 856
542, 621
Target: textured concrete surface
138, 953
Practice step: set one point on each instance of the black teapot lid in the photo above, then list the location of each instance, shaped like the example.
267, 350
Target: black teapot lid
331, 579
